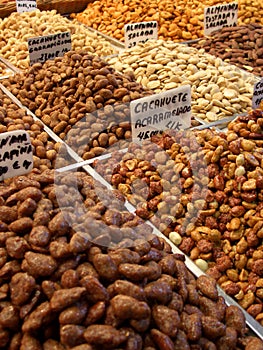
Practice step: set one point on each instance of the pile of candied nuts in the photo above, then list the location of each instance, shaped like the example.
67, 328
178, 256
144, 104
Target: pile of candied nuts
64, 286
204, 190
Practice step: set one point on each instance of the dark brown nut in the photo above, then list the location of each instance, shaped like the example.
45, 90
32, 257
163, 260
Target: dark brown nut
21, 182
59, 225
3, 226
162, 340
224, 263
121, 256
27, 308
221, 308
39, 236
141, 325
229, 340
78, 347
168, 265
65, 265
182, 288
219, 183
69, 279
10, 269
9, 317
79, 242
95, 313
22, 225
187, 245
176, 302
254, 310
134, 341
126, 307
204, 246
166, 319
105, 266
49, 288
159, 291
74, 314
111, 319
22, 286
72, 335
207, 286
212, 328
41, 316
38, 264
104, 336
235, 318
207, 344
66, 297
192, 326
113, 217
126, 288
142, 247
17, 247
29, 192
51, 344
27, 207
153, 255
257, 267
134, 272
253, 343
95, 291
168, 279
86, 269
59, 248
3, 256
15, 342
41, 219
190, 309
29, 342
181, 341
193, 295
209, 308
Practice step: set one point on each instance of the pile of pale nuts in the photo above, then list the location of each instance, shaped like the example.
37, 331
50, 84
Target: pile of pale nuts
218, 89
16, 29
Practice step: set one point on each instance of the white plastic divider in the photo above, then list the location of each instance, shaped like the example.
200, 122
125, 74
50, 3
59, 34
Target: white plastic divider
80, 163
9, 65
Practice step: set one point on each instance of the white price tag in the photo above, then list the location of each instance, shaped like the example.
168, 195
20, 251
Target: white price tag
153, 114
48, 47
26, 5
257, 94
135, 33
16, 154
219, 16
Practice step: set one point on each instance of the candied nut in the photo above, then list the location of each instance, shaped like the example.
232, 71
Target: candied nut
207, 286
65, 297
127, 307
104, 335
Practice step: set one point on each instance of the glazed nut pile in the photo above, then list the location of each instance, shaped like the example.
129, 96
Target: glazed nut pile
83, 93
60, 291
17, 28
177, 20
241, 45
218, 89
204, 190
13, 118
